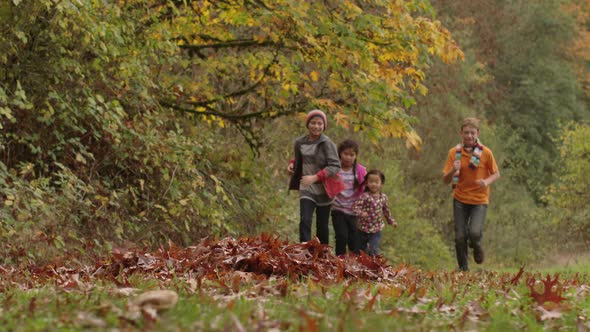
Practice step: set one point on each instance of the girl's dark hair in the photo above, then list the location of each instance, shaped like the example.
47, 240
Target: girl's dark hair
374, 172
350, 144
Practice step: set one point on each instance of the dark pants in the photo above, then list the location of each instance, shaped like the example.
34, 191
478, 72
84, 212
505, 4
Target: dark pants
369, 242
307, 207
346, 232
469, 220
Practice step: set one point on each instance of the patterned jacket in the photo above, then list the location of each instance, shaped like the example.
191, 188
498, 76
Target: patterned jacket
377, 210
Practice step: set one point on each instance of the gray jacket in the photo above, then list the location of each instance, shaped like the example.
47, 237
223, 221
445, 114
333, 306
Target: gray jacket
310, 158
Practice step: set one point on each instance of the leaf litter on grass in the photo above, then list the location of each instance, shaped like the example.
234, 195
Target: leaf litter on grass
265, 267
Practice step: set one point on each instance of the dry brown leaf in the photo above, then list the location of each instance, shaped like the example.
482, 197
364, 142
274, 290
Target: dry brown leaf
544, 314
149, 313
237, 326
445, 308
125, 291
157, 299
477, 311
582, 324
582, 291
86, 319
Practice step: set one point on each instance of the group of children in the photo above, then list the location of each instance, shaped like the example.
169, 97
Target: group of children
330, 179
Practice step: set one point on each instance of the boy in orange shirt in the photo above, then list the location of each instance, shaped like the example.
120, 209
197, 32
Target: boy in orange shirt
471, 168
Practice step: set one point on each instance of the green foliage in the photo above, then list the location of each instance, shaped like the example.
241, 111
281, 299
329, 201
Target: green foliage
540, 88
87, 156
418, 243
568, 196
574, 147
517, 231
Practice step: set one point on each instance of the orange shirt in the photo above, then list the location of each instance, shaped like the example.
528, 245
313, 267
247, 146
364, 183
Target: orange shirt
467, 190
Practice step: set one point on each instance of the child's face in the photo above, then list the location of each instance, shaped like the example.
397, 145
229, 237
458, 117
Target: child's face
374, 183
347, 157
315, 126
469, 135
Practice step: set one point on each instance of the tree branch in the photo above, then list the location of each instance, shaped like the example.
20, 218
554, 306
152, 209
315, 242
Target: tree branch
232, 117
239, 92
238, 43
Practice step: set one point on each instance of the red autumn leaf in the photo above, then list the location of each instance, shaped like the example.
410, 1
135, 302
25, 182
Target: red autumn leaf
517, 277
548, 295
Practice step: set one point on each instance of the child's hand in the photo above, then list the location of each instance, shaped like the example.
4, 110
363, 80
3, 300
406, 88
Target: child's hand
308, 180
393, 223
482, 183
290, 169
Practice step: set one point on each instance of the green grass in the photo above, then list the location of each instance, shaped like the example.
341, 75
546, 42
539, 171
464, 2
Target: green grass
576, 263
566, 265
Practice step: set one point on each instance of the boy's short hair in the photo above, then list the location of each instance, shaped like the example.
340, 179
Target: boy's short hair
471, 122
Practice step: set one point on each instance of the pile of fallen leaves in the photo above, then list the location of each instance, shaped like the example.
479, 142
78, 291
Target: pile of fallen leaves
264, 256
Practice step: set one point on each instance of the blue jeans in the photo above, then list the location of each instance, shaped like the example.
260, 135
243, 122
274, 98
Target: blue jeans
469, 221
307, 207
369, 242
346, 232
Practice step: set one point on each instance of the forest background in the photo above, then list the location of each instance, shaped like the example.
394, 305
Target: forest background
135, 123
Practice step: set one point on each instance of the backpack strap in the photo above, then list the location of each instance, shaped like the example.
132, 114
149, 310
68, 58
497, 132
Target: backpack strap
473, 161
458, 149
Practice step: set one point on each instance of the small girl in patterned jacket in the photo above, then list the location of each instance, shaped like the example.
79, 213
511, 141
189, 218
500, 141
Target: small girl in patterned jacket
371, 208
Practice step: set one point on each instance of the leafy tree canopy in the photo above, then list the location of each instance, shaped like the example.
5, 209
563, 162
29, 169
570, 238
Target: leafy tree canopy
240, 61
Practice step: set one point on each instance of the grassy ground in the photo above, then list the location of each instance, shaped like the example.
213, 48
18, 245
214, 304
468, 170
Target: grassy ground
570, 263
415, 300
563, 264
267, 284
